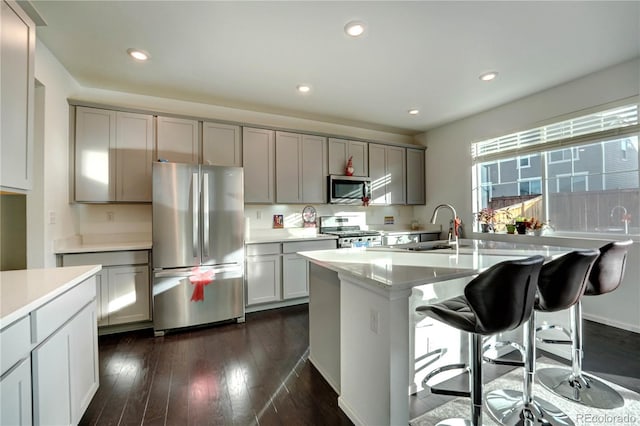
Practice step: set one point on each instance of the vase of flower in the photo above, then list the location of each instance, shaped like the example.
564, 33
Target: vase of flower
511, 228
486, 218
486, 227
521, 227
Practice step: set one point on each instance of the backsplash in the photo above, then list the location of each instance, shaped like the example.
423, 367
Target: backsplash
260, 216
136, 218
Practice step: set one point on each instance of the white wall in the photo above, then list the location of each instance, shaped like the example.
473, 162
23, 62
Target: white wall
448, 163
53, 189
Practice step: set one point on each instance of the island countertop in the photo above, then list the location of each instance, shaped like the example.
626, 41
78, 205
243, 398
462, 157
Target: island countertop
398, 268
25, 290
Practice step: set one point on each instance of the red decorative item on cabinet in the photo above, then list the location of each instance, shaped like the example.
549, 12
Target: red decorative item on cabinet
348, 171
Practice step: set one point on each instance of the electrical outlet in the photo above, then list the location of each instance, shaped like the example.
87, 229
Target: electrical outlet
52, 217
110, 216
258, 214
374, 319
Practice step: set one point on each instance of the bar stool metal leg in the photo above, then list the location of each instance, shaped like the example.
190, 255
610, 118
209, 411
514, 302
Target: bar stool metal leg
573, 384
475, 385
509, 407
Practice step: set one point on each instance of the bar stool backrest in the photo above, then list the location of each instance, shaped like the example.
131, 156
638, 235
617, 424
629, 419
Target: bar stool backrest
502, 297
562, 281
608, 271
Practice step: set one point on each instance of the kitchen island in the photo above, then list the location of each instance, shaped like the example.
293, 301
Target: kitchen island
360, 321
48, 344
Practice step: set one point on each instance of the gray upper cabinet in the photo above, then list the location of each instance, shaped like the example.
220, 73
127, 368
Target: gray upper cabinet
178, 140
301, 168
339, 152
415, 176
17, 52
221, 144
388, 174
113, 156
258, 156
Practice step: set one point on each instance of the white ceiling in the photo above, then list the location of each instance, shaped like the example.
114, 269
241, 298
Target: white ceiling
425, 55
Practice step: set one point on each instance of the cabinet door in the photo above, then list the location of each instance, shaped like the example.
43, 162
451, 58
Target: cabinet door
177, 140
221, 145
83, 358
102, 298
378, 174
263, 279
288, 157
15, 395
415, 176
134, 156
396, 175
339, 152
51, 386
17, 52
295, 281
258, 150
95, 135
128, 294
313, 169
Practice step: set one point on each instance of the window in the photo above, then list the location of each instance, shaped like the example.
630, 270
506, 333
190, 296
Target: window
572, 174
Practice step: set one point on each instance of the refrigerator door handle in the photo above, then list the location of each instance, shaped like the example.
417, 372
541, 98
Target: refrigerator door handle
205, 210
194, 212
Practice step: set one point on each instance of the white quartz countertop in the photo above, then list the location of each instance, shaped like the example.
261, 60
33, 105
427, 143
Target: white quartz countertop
23, 291
258, 236
401, 269
71, 248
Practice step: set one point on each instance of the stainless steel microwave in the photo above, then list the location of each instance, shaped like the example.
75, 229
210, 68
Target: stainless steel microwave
348, 189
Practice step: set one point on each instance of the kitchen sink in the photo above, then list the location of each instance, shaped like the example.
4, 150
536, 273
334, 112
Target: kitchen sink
430, 247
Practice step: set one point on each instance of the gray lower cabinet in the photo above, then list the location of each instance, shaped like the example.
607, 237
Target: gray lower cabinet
123, 284
276, 273
65, 357
15, 374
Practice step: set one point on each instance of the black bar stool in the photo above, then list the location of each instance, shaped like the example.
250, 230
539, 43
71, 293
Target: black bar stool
606, 276
498, 299
561, 283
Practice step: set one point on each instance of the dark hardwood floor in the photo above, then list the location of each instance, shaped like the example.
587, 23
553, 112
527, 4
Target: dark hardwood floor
258, 373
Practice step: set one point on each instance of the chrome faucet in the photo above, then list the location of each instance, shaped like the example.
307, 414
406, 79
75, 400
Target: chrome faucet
624, 217
455, 215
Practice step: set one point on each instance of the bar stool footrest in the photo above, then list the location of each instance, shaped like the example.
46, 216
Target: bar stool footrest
441, 391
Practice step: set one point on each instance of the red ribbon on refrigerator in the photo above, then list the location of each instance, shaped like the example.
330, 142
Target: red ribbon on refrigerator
199, 279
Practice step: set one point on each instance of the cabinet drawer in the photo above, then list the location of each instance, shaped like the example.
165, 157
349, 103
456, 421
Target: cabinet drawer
308, 246
107, 258
50, 317
15, 343
262, 249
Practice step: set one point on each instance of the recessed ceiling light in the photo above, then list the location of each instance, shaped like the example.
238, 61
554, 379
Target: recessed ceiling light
303, 88
414, 111
488, 76
138, 54
354, 28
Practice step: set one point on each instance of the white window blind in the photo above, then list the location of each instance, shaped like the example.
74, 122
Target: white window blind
603, 124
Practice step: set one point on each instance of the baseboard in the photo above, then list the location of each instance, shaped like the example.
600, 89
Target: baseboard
267, 306
350, 413
121, 328
617, 324
326, 377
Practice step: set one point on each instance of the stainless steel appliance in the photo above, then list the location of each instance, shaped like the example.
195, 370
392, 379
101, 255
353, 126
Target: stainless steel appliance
198, 245
348, 189
349, 232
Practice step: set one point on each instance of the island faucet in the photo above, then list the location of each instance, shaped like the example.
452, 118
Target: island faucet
625, 218
455, 217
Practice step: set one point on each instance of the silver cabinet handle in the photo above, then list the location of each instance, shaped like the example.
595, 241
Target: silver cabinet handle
194, 212
205, 210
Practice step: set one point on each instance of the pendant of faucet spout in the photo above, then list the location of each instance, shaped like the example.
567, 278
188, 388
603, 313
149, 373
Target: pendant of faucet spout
448, 206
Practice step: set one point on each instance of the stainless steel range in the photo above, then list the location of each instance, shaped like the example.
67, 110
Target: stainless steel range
349, 232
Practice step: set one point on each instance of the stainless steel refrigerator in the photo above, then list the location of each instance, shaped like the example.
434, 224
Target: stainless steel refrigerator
198, 245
